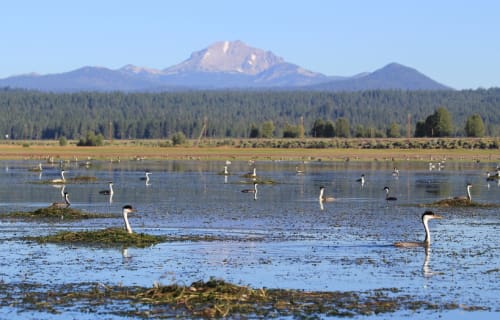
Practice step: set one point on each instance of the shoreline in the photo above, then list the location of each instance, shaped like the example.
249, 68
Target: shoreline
130, 152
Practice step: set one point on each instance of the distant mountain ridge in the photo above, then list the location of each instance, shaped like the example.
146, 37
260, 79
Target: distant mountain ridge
223, 65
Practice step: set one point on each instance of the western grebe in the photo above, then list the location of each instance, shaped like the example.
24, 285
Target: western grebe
395, 172
146, 177
62, 205
468, 196
62, 180
361, 179
387, 195
254, 190
298, 171
109, 191
428, 215
126, 210
38, 168
322, 197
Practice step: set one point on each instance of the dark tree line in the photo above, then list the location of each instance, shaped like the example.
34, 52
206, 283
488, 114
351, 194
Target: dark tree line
39, 115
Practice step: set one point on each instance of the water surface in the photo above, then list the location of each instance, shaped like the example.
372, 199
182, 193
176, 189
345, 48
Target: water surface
283, 237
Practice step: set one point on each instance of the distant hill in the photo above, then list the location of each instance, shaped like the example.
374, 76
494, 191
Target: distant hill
223, 65
392, 76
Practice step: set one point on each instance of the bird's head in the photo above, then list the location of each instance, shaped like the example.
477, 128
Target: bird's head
428, 215
128, 208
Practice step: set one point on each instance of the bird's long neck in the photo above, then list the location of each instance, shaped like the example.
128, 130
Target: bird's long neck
127, 224
110, 188
468, 194
255, 188
427, 239
225, 170
66, 199
321, 192
62, 176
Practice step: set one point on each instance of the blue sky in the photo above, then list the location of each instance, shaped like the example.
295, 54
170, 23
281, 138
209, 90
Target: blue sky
454, 42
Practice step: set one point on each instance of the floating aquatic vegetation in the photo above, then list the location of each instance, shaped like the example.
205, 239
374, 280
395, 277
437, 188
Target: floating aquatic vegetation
461, 203
106, 237
112, 237
214, 298
55, 213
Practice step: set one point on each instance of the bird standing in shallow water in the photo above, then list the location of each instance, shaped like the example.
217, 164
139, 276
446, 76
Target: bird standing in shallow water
428, 215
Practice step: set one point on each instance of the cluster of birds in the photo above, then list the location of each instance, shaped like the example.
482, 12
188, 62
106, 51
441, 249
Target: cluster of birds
109, 192
426, 216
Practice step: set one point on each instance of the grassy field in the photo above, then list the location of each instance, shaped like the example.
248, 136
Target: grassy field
235, 150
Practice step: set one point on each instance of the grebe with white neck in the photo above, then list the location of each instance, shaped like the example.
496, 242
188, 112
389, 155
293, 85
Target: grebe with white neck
387, 197
361, 180
322, 197
428, 215
108, 192
62, 180
468, 196
146, 177
125, 211
62, 205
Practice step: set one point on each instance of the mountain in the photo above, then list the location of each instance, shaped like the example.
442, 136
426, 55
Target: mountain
223, 65
392, 76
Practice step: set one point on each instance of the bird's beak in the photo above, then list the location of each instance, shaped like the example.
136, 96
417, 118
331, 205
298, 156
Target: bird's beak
438, 217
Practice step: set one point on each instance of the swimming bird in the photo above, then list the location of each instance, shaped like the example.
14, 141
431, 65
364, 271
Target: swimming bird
254, 190
146, 177
298, 171
109, 191
467, 197
387, 197
428, 215
322, 197
126, 210
38, 168
62, 205
361, 179
62, 180
395, 172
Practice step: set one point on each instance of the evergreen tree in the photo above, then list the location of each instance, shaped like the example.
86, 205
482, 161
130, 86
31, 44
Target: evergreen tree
474, 126
342, 128
394, 131
267, 129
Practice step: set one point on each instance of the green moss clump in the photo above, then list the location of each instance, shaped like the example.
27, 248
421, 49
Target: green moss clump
106, 237
54, 213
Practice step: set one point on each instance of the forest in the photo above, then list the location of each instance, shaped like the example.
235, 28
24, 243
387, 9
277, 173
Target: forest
244, 114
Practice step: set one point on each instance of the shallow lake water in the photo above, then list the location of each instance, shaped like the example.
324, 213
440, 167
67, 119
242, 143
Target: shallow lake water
282, 238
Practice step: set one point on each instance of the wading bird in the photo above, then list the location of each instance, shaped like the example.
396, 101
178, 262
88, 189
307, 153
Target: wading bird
428, 215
